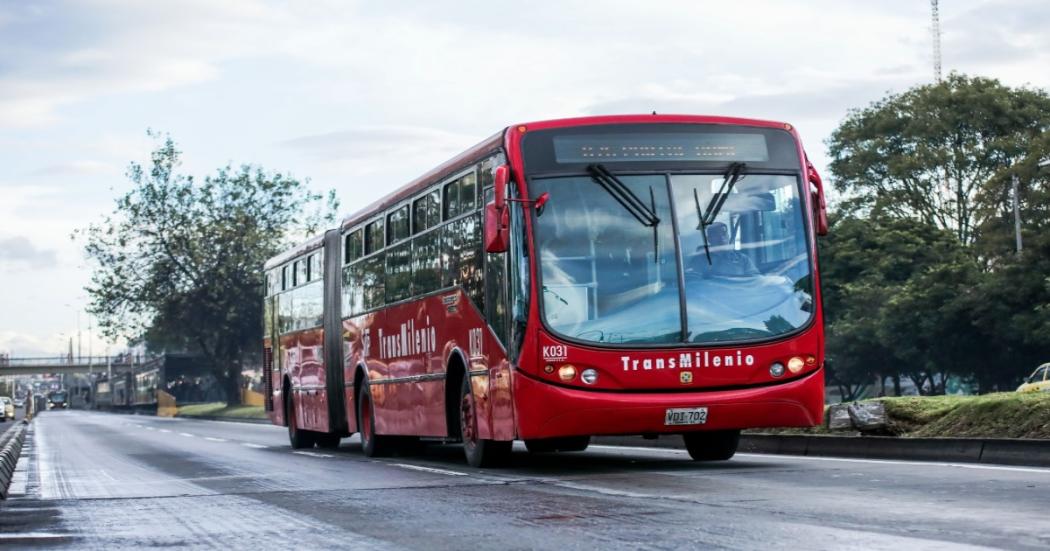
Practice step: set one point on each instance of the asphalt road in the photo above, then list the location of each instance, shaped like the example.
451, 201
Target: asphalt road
118, 481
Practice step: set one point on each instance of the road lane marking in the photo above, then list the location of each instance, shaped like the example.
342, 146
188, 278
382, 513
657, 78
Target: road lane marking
163, 430
429, 469
213, 439
149, 428
313, 454
186, 434
256, 446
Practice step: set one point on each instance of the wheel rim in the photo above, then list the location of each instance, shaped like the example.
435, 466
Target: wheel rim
467, 421
366, 418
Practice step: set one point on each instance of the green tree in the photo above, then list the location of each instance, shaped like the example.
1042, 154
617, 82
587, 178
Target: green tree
890, 288
930, 152
179, 261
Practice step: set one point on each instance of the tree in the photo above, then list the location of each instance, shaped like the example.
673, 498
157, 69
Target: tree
179, 261
929, 152
890, 289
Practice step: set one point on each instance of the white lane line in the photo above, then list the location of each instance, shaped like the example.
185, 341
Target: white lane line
429, 469
255, 446
312, 454
149, 428
186, 434
213, 439
163, 430
903, 462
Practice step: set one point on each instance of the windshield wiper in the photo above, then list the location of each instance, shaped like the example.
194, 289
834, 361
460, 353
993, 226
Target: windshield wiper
623, 195
707, 217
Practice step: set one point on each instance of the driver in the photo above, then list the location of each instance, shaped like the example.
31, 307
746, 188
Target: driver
725, 261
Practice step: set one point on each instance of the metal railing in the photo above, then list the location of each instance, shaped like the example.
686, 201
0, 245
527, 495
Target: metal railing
68, 361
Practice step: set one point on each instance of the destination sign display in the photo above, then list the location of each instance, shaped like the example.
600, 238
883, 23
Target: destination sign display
634, 147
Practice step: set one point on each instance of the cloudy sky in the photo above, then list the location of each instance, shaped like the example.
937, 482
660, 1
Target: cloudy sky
363, 96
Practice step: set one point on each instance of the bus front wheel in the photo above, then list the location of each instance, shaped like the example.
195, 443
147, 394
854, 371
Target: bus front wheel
718, 445
479, 452
372, 444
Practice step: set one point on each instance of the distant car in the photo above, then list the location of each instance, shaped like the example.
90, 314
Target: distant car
8, 407
1038, 381
57, 399
20, 402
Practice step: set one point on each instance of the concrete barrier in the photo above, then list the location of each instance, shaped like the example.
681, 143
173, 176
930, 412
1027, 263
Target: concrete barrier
1005, 451
10, 449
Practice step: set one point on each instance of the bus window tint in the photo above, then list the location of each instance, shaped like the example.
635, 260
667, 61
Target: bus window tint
398, 272
373, 281
426, 263
461, 196
463, 261
300, 273
397, 225
353, 289
354, 248
374, 236
426, 212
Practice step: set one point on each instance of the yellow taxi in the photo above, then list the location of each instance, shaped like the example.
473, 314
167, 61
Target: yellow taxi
1038, 381
8, 406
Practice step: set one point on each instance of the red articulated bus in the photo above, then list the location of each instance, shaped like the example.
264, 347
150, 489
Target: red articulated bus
620, 275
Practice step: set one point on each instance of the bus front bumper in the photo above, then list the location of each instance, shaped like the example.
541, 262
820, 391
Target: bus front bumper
545, 411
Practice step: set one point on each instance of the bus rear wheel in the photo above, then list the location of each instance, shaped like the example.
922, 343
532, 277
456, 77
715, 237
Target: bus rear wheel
718, 445
372, 444
479, 452
563, 444
297, 437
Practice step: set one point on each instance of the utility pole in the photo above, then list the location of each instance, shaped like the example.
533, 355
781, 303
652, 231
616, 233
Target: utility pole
936, 31
1017, 214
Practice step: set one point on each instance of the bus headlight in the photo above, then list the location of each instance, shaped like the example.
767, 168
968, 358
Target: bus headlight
567, 373
796, 364
589, 376
777, 369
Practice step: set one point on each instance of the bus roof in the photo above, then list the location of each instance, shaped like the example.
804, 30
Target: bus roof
486, 146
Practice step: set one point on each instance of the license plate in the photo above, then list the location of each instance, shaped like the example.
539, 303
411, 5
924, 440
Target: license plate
685, 416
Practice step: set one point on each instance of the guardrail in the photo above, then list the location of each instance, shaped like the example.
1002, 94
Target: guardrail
10, 448
46, 361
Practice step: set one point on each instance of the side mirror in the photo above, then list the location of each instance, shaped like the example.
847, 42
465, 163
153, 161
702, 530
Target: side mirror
500, 180
497, 220
820, 207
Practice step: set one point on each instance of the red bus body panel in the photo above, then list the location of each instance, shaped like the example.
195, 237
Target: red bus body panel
407, 368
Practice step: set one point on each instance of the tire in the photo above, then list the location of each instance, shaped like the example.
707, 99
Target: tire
479, 452
297, 437
372, 444
718, 445
328, 440
563, 444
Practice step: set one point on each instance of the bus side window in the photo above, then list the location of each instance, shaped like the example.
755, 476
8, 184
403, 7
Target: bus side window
426, 212
398, 257
374, 237
464, 263
353, 248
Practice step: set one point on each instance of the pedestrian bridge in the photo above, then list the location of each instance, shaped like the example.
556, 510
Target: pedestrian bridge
64, 364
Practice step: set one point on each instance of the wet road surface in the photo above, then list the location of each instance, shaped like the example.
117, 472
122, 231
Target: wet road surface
97, 480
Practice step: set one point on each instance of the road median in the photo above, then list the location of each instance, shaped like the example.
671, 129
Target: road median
1003, 451
10, 449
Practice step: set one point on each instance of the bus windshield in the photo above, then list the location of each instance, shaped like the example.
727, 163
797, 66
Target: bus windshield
607, 277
